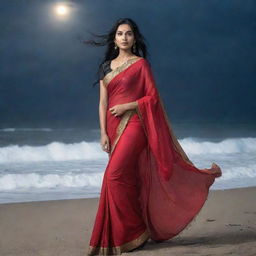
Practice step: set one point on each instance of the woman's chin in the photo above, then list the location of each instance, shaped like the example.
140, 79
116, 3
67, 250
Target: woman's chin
125, 47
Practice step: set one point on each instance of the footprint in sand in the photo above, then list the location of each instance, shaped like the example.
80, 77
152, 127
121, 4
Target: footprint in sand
210, 220
233, 225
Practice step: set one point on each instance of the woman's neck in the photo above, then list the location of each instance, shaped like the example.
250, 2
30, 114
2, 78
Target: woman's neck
124, 55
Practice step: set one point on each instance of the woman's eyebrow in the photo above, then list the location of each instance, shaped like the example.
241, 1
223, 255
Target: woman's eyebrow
122, 31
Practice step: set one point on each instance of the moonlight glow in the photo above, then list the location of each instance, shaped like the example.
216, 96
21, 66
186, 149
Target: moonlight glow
61, 10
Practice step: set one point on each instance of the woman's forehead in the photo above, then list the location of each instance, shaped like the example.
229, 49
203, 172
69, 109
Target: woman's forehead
124, 28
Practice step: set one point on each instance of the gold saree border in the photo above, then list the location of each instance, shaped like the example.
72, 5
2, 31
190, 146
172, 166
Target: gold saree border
121, 126
181, 151
177, 145
109, 76
118, 250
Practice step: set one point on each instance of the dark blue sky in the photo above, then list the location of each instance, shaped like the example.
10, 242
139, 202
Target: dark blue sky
202, 54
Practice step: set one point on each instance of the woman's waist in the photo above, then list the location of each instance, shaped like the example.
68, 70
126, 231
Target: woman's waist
130, 114
134, 117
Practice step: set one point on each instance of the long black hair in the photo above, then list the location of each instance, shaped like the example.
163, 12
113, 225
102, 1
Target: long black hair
108, 39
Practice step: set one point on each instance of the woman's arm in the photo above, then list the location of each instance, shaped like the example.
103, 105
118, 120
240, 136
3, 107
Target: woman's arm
131, 105
119, 109
103, 102
104, 140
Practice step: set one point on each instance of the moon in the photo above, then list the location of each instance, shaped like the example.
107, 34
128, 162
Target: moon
61, 10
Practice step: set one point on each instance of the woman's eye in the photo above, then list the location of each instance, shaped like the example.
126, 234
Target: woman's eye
129, 34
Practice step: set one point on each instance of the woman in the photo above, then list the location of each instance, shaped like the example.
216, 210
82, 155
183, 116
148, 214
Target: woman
150, 188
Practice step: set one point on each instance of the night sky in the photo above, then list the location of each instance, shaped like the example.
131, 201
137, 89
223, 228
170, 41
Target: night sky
202, 54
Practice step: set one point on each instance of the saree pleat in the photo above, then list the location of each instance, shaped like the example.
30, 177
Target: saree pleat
150, 188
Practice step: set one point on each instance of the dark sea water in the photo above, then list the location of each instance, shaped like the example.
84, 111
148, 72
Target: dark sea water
48, 164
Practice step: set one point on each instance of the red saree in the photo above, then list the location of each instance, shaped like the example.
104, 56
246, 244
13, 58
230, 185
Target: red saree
150, 188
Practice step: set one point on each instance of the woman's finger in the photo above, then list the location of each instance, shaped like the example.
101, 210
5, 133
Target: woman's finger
107, 145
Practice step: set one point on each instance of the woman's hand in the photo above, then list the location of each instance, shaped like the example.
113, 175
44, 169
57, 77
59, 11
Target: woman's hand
118, 110
104, 141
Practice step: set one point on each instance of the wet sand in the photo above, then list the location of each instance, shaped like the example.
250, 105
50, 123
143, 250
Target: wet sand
225, 226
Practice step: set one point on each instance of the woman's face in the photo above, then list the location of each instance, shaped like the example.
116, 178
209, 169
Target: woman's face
124, 37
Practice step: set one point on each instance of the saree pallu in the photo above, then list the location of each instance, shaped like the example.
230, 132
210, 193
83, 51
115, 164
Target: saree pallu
150, 188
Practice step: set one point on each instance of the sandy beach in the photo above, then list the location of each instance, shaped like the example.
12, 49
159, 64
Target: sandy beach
225, 226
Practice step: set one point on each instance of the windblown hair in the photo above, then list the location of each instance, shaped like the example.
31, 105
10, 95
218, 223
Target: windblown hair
108, 39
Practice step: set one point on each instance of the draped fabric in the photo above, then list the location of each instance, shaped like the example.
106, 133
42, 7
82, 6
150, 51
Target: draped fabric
150, 188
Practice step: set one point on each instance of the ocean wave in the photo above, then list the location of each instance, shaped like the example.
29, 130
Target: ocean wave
239, 172
54, 151
227, 146
49, 181
57, 151
93, 180
25, 129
